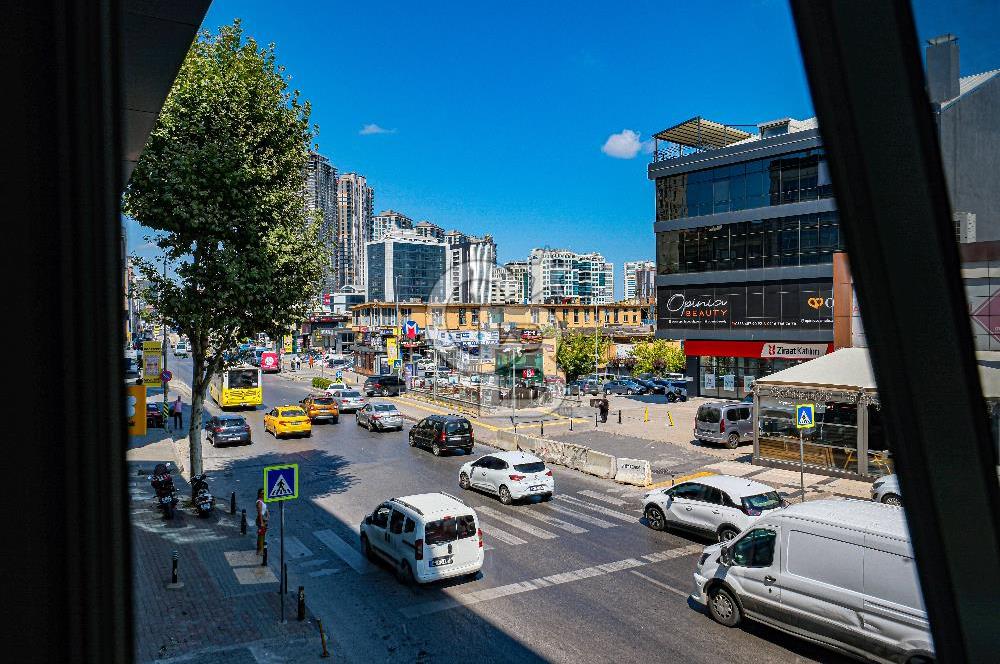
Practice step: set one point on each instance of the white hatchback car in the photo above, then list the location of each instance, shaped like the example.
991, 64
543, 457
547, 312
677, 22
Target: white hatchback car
510, 475
886, 490
426, 537
719, 505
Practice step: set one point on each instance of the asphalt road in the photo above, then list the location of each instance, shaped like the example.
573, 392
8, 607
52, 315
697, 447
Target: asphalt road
622, 593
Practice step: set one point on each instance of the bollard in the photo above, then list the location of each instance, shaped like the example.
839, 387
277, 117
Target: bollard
302, 603
243, 523
595, 419
645, 415
263, 563
322, 636
173, 575
543, 428
619, 416
571, 419
232, 503
670, 418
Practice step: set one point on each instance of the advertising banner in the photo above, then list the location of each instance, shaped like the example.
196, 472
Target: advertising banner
286, 343
135, 409
152, 363
709, 381
768, 305
392, 349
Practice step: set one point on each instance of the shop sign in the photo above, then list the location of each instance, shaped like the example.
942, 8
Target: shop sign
699, 309
709, 381
987, 316
792, 351
781, 304
729, 383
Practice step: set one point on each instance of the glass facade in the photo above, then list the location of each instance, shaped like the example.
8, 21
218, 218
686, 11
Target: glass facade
417, 268
733, 377
788, 178
376, 272
807, 239
833, 443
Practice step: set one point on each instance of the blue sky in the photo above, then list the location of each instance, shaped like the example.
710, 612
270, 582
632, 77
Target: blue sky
495, 114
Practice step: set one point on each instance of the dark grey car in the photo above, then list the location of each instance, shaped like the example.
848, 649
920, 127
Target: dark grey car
443, 432
726, 423
228, 430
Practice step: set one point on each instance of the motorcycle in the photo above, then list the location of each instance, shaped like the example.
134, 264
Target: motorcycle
163, 485
202, 498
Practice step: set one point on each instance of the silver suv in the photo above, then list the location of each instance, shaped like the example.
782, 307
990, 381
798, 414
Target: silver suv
727, 423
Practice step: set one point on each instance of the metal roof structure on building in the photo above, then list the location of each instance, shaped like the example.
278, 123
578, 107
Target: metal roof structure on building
701, 133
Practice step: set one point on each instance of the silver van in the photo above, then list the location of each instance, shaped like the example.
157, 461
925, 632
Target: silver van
726, 423
839, 573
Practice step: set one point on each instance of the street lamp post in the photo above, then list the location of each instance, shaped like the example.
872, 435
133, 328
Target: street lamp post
166, 389
399, 326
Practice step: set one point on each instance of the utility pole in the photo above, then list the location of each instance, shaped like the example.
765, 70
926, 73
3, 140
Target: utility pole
163, 322
399, 326
596, 344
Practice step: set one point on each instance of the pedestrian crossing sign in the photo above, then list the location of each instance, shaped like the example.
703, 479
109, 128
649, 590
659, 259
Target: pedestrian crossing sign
281, 482
805, 416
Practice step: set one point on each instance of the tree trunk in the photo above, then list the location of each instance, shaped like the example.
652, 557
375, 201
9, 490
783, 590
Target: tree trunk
194, 429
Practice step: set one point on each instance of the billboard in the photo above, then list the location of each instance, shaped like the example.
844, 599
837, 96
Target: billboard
152, 363
392, 349
804, 305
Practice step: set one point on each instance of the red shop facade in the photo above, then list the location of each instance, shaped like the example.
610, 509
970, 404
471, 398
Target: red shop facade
728, 369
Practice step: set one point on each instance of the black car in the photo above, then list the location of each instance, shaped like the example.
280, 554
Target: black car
443, 432
155, 418
651, 387
228, 430
384, 386
623, 387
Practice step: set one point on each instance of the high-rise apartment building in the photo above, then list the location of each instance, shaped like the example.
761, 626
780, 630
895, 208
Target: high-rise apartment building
404, 266
503, 286
566, 276
355, 205
520, 273
469, 267
321, 196
630, 286
389, 221
429, 230
645, 284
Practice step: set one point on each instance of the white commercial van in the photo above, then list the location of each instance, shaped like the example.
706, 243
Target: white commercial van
836, 572
425, 537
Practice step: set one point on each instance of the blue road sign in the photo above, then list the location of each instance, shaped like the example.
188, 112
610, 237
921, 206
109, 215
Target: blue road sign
339, 374
281, 483
166, 376
805, 416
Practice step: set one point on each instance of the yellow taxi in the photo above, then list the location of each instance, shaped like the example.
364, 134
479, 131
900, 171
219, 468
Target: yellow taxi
287, 421
321, 407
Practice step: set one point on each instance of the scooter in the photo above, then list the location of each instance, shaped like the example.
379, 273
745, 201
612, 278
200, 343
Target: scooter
163, 485
202, 498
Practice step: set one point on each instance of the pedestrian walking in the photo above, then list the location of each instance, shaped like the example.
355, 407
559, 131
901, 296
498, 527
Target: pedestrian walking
261, 521
311, 361
177, 413
603, 406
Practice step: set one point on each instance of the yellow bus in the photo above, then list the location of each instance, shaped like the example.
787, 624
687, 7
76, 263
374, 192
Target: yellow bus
237, 387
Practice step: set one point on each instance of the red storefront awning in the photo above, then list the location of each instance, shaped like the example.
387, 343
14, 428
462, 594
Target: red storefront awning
771, 350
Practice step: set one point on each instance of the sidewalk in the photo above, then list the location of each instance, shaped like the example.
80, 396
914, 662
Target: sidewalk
227, 611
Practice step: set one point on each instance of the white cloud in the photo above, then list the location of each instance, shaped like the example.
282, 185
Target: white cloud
624, 145
375, 129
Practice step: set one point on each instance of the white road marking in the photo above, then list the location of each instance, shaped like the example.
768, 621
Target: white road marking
604, 498
676, 591
323, 572
461, 597
501, 535
517, 523
552, 521
313, 563
601, 509
586, 518
343, 550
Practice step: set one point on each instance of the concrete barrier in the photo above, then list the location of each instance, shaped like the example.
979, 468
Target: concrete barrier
634, 471
574, 456
506, 440
600, 465
527, 444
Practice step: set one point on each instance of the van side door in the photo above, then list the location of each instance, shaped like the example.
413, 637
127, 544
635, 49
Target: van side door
755, 572
378, 529
745, 423
394, 536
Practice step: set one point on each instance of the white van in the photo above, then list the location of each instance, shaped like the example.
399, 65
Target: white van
839, 573
425, 537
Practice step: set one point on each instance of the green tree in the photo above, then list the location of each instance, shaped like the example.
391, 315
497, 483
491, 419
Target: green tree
575, 353
658, 356
221, 183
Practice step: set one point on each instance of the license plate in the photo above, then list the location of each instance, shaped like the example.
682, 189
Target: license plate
538, 488
438, 562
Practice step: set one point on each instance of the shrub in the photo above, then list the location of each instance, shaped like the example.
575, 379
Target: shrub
321, 383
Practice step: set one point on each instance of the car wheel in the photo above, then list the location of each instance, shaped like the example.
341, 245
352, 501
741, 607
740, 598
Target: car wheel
628, 392
723, 607
413, 443
336, 420
727, 533
463, 481
436, 449
892, 499
309, 434
655, 517
733, 441
357, 420
405, 574
683, 398
505, 496
546, 497
670, 397
369, 554
468, 450
385, 392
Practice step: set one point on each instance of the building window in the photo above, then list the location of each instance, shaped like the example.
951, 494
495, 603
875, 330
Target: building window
565, 315
534, 315
616, 316
461, 315
475, 316
586, 316
552, 316
576, 315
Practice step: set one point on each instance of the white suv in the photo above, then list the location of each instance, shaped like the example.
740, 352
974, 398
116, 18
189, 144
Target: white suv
720, 505
510, 475
425, 537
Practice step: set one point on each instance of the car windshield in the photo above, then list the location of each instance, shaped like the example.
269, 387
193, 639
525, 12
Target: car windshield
458, 427
385, 408
232, 422
450, 529
709, 414
350, 394
324, 401
292, 412
765, 501
533, 467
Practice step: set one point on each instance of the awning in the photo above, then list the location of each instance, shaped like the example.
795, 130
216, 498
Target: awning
701, 133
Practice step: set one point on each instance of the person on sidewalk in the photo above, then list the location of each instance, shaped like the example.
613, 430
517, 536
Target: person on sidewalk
603, 406
261, 521
311, 361
177, 413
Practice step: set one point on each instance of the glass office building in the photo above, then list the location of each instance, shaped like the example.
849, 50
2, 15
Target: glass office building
746, 229
406, 269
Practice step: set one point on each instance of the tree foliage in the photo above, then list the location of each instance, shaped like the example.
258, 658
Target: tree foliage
658, 356
220, 182
575, 353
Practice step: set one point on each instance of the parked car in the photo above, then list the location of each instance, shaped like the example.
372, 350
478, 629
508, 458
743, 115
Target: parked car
623, 387
510, 475
350, 400
839, 573
381, 416
719, 505
321, 408
228, 430
727, 423
886, 490
675, 390
443, 432
384, 386
425, 537
155, 418
132, 376
651, 387
287, 421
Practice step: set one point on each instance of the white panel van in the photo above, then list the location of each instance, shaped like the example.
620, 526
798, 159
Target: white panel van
839, 573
